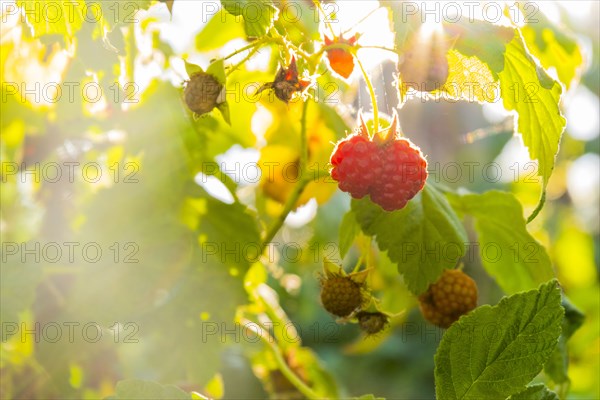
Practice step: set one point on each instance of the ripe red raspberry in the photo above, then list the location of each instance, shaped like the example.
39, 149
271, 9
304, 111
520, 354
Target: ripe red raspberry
453, 295
356, 164
389, 168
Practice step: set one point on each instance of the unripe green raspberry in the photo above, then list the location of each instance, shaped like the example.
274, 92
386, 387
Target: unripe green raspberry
372, 322
340, 295
202, 92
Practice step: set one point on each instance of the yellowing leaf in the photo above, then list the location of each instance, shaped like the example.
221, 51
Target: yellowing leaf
469, 79
553, 47
279, 165
259, 15
528, 90
279, 168
280, 159
219, 31
54, 17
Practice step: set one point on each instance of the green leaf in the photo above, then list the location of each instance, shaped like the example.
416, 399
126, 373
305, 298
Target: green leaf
493, 352
169, 4
525, 87
216, 33
223, 223
192, 69
528, 90
468, 36
423, 238
508, 252
214, 388
119, 12
557, 365
574, 318
535, 392
54, 18
348, 231
217, 69
259, 15
224, 110
132, 389
553, 46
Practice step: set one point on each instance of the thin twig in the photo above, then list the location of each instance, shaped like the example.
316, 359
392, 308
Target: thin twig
304, 180
372, 94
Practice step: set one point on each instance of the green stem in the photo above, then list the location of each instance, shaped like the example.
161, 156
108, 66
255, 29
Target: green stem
283, 365
372, 94
303, 140
290, 375
290, 204
540, 204
358, 263
248, 56
363, 19
251, 45
131, 52
318, 5
281, 41
304, 180
380, 48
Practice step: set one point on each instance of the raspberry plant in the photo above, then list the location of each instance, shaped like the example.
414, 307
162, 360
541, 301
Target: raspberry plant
216, 277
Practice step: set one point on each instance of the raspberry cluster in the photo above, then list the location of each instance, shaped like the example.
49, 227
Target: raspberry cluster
346, 296
453, 295
389, 168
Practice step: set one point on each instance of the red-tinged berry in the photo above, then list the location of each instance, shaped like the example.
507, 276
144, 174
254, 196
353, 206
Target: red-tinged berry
287, 82
391, 169
372, 322
341, 60
202, 92
453, 295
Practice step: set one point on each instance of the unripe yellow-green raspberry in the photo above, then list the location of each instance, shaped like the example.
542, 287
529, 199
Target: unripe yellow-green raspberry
340, 295
453, 295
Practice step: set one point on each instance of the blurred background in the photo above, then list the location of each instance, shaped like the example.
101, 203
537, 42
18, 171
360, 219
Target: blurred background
122, 252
